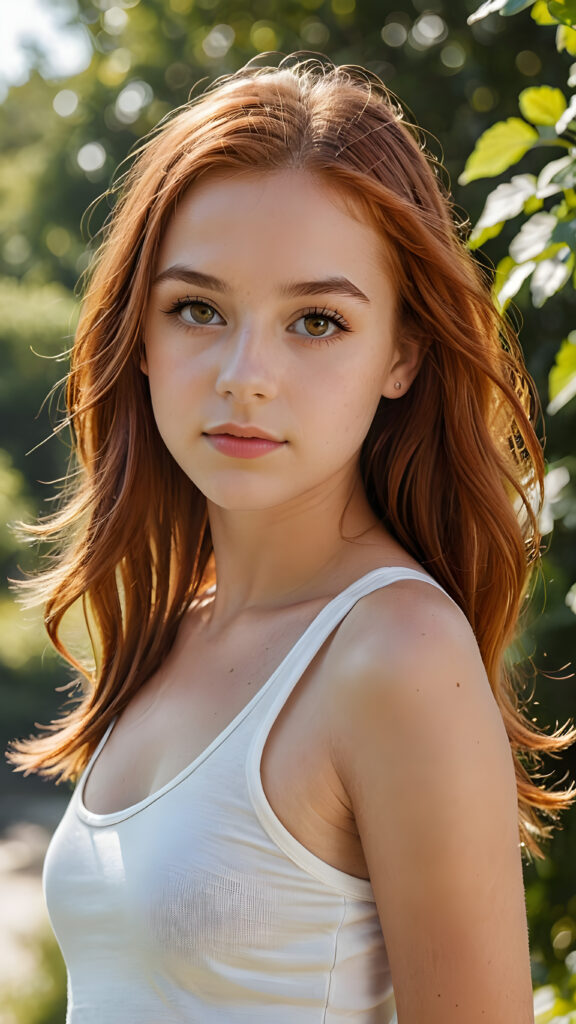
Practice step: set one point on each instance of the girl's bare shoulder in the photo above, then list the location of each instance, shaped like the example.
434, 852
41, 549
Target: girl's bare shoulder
396, 631
406, 672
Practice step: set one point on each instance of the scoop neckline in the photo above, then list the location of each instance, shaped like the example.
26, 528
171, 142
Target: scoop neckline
96, 818
112, 817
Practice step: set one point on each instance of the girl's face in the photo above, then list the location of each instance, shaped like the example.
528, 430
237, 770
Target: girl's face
272, 316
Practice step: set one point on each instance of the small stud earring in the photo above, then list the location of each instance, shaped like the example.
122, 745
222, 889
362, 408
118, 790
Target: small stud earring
398, 384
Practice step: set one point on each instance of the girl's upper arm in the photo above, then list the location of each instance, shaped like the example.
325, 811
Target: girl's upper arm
420, 746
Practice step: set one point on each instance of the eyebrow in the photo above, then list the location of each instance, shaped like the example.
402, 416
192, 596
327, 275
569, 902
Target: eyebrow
291, 290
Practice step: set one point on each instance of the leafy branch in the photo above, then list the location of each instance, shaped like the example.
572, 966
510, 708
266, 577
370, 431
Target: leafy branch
544, 249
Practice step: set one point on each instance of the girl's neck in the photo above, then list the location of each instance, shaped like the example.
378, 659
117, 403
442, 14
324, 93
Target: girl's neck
276, 557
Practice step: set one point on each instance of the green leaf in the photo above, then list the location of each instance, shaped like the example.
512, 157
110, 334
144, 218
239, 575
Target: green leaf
477, 238
541, 14
533, 238
561, 211
505, 7
506, 201
503, 268
566, 40
498, 148
562, 377
532, 205
550, 275
509, 279
556, 176
568, 117
565, 231
541, 104
563, 10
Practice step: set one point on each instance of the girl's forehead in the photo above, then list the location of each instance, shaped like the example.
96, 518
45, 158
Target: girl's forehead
291, 211
296, 186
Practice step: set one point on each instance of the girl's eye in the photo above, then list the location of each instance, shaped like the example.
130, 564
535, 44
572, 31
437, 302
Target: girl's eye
195, 312
318, 324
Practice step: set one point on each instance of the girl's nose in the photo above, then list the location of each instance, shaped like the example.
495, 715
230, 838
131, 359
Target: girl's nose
246, 371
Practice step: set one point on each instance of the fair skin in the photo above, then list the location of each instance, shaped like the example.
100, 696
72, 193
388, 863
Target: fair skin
390, 759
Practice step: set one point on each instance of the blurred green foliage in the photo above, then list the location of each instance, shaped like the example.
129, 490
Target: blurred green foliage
62, 140
543, 251
42, 1000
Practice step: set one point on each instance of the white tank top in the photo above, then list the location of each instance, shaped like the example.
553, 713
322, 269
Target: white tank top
197, 906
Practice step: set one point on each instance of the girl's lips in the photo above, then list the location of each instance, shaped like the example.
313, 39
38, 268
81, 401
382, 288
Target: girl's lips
242, 447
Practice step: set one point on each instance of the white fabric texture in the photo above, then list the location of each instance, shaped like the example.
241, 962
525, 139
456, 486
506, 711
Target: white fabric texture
196, 905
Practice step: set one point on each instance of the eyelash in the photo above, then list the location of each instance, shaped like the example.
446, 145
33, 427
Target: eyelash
180, 304
332, 315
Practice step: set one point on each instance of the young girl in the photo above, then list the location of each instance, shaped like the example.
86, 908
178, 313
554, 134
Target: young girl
302, 536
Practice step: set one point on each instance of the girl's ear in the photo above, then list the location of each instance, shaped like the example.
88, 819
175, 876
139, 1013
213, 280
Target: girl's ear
405, 366
143, 360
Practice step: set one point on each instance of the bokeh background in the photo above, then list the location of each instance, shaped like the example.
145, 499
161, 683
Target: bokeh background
80, 82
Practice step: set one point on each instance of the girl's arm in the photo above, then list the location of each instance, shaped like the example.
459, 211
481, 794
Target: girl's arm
423, 754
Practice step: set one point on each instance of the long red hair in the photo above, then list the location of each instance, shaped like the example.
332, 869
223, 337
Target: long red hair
454, 469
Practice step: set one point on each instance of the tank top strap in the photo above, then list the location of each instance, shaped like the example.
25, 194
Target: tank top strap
289, 673
299, 658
